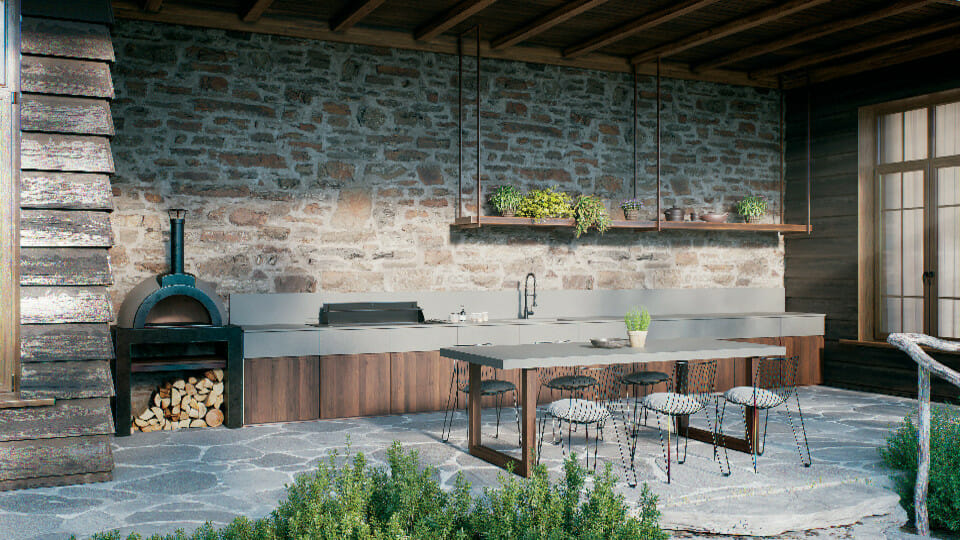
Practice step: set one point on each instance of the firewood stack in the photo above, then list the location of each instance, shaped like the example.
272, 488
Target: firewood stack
184, 403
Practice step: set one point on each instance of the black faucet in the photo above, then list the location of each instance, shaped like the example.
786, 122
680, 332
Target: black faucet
527, 312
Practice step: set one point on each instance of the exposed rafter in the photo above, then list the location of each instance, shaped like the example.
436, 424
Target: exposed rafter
635, 26
897, 55
544, 22
858, 47
152, 6
354, 14
452, 17
740, 24
255, 10
808, 34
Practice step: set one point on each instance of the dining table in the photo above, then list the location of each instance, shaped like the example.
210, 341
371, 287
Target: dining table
529, 358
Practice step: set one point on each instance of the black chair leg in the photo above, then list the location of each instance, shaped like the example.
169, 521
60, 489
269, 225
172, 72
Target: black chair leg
665, 446
803, 432
718, 439
516, 411
450, 411
499, 406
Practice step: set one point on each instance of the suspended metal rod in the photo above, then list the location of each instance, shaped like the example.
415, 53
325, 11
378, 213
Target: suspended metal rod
809, 158
783, 142
635, 129
659, 98
460, 125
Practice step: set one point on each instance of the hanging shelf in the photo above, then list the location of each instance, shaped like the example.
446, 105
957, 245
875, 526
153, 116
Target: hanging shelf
478, 221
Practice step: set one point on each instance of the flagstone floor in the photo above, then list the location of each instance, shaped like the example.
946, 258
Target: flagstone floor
169, 480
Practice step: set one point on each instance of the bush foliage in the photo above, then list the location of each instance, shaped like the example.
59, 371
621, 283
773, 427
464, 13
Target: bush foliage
346, 498
901, 453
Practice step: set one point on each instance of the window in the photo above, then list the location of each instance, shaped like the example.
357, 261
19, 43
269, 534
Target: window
916, 184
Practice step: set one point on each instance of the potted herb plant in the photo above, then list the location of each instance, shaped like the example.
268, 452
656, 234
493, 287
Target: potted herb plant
631, 209
505, 200
589, 211
638, 322
752, 208
545, 203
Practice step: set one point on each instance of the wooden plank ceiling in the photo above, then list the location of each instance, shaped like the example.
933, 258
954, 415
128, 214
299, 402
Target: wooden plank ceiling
754, 42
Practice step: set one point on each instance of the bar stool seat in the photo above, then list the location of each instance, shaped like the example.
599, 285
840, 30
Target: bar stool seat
646, 377
579, 411
492, 387
572, 382
761, 398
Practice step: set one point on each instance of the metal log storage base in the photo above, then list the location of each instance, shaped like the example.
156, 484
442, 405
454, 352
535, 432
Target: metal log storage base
228, 340
479, 220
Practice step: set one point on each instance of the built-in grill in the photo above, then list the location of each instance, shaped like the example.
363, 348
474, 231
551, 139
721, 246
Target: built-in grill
173, 299
370, 313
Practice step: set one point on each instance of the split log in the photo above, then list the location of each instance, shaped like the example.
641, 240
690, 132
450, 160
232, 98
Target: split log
184, 403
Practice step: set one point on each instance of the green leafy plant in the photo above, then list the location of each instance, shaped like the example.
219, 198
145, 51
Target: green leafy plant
545, 203
631, 204
637, 320
506, 199
901, 454
347, 498
589, 211
752, 206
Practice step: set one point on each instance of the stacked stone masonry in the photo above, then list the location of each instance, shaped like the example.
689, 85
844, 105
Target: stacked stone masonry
309, 165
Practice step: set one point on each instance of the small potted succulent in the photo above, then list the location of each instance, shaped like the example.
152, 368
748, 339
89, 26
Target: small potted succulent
752, 208
638, 322
631, 209
505, 200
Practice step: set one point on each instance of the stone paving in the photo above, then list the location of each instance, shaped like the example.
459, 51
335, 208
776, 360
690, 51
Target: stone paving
169, 480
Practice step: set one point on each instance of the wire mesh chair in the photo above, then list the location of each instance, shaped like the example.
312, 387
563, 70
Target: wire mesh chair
586, 405
685, 401
774, 383
490, 385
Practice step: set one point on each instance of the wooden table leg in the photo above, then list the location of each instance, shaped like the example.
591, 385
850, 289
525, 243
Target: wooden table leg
528, 437
474, 406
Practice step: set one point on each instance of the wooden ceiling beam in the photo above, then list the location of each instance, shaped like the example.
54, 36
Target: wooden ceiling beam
255, 10
649, 20
737, 25
153, 6
345, 20
452, 17
897, 55
544, 22
304, 28
857, 47
808, 34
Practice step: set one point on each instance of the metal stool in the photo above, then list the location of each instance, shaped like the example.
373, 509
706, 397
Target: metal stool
488, 387
643, 380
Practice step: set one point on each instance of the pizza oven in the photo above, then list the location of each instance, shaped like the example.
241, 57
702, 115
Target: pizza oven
175, 298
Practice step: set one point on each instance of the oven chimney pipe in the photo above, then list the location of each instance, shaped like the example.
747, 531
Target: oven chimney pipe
177, 216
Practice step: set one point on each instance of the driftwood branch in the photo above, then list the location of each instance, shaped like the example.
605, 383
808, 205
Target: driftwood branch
911, 344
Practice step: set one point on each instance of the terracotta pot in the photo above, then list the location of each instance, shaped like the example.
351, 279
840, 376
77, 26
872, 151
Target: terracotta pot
638, 338
508, 213
753, 219
631, 214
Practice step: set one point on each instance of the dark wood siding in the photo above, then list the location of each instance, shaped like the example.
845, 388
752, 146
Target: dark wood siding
821, 269
64, 236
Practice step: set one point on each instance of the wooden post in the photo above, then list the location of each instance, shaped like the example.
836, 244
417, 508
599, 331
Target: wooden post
923, 461
528, 437
10, 200
474, 407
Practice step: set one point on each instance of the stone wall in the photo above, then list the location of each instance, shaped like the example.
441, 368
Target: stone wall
308, 165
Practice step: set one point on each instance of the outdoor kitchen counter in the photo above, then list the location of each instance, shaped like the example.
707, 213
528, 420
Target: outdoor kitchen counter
285, 340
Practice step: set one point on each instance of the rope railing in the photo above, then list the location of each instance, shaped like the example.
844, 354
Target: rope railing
911, 344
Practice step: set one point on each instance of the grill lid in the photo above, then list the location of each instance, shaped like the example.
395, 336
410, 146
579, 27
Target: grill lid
353, 313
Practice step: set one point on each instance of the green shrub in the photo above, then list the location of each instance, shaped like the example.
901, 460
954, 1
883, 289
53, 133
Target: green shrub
589, 211
348, 499
901, 454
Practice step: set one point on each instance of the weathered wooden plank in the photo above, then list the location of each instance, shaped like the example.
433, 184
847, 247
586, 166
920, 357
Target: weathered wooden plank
65, 342
53, 37
66, 77
64, 228
56, 305
60, 190
67, 456
59, 114
65, 266
54, 481
95, 11
66, 418
76, 153
66, 380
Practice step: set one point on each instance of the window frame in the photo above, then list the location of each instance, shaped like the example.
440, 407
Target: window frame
870, 208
